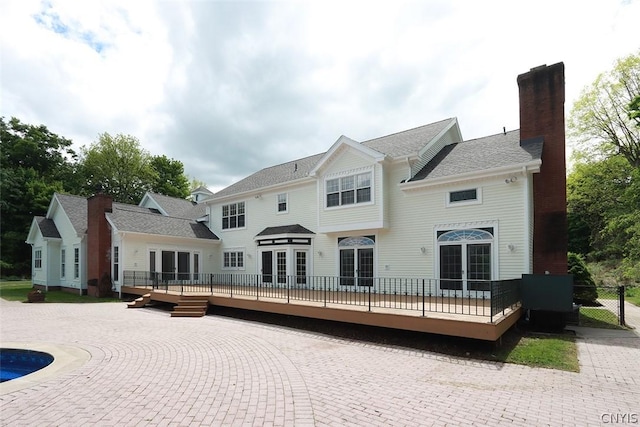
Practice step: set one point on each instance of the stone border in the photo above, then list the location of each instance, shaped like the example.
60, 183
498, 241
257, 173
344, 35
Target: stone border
65, 359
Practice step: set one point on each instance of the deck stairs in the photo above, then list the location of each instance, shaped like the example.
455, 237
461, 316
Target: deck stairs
140, 302
191, 306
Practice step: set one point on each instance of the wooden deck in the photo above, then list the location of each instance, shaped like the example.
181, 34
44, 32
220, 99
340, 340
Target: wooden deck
466, 318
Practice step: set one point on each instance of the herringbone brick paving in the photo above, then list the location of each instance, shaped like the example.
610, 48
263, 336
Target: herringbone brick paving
147, 368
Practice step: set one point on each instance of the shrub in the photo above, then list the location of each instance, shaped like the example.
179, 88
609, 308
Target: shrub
584, 287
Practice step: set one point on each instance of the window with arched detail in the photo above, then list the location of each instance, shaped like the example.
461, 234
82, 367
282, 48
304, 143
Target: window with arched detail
465, 259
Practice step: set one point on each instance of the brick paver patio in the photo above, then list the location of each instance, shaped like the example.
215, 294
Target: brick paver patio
145, 368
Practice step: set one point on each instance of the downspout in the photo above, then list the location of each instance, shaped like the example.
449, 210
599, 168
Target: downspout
527, 220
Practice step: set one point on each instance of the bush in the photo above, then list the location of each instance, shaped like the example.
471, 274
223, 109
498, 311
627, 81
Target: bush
584, 287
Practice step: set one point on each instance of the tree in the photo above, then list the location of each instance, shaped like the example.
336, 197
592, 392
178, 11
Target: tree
584, 287
634, 110
603, 204
170, 179
34, 163
602, 118
195, 184
118, 166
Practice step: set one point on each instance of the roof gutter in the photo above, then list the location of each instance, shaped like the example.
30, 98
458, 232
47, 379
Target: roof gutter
258, 190
522, 168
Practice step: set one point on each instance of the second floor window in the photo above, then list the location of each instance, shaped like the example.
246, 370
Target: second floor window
282, 202
349, 190
233, 215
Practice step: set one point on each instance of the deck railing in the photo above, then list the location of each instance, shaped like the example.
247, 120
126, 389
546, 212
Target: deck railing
481, 297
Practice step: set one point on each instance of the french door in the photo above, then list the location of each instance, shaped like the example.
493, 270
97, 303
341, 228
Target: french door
356, 266
174, 265
465, 259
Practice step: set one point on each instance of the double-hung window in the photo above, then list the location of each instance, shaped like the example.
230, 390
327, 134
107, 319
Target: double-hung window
349, 190
76, 263
282, 203
116, 263
233, 215
37, 258
63, 263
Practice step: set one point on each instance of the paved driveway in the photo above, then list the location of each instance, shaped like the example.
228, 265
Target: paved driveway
141, 367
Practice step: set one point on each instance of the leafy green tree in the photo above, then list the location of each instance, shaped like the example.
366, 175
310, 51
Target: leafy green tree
584, 287
603, 204
196, 183
603, 120
34, 163
118, 166
170, 179
596, 192
634, 110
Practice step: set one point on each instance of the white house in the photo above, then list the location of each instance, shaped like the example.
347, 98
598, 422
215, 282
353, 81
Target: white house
422, 202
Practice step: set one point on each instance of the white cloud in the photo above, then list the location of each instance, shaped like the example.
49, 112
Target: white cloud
228, 88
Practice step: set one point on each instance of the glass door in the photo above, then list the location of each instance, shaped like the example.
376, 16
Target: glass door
365, 267
267, 267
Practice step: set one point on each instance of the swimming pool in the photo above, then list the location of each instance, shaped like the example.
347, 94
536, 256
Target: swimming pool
15, 363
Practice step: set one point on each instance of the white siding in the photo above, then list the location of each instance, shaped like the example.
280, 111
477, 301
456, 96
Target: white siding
354, 216
260, 213
415, 215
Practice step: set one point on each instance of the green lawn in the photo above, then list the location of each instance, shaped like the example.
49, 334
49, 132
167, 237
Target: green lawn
598, 318
18, 290
632, 294
541, 351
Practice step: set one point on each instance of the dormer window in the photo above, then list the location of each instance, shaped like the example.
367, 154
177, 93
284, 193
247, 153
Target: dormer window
348, 190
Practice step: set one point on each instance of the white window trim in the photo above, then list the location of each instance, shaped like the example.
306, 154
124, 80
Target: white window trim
244, 214
495, 246
116, 263
476, 201
79, 263
286, 202
63, 263
36, 258
354, 173
235, 250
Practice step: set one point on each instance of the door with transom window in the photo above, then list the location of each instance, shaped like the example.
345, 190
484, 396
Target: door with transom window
356, 260
465, 260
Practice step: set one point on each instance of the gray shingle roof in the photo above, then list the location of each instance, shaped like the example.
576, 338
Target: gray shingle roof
481, 154
179, 208
47, 227
181, 223
142, 220
285, 229
273, 175
408, 142
76, 209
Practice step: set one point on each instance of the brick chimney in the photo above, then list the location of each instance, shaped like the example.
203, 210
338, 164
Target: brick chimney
542, 115
98, 237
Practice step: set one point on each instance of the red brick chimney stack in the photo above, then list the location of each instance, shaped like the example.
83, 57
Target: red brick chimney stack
542, 97
98, 236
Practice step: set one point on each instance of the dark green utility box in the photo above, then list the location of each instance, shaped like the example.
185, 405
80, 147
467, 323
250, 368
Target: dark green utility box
547, 299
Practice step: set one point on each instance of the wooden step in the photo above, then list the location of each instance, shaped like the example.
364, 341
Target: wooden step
140, 302
193, 306
187, 313
189, 308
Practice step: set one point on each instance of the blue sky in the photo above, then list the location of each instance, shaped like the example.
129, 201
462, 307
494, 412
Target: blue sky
231, 87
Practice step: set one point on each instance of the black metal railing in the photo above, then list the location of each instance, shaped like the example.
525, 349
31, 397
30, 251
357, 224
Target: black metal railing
480, 298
